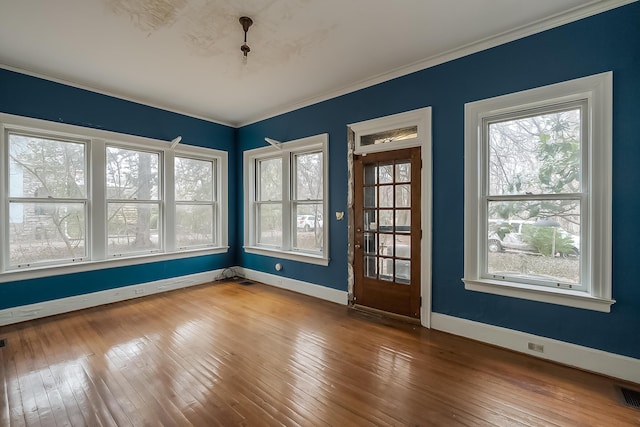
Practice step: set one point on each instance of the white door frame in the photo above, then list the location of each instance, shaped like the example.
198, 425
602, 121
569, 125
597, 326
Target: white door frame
422, 119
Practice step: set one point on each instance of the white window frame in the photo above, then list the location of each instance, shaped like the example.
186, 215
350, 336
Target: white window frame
97, 140
5, 262
159, 201
286, 152
595, 291
214, 203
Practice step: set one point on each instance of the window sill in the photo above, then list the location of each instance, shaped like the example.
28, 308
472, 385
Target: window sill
291, 255
111, 262
570, 298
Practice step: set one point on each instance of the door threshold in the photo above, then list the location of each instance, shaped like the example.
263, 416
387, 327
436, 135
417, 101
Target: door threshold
385, 314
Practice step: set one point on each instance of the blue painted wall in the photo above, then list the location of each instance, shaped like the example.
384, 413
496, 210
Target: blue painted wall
609, 41
32, 97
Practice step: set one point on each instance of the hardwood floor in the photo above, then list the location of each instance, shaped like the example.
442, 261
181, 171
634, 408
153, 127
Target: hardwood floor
226, 354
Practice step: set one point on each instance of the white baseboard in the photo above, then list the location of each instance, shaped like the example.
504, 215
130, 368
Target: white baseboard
306, 288
78, 302
589, 359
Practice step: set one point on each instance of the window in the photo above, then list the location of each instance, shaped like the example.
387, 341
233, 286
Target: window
47, 200
537, 194
75, 197
268, 202
285, 206
196, 206
133, 201
402, 130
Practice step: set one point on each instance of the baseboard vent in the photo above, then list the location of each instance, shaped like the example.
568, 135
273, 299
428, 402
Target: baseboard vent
3, 343
630, 397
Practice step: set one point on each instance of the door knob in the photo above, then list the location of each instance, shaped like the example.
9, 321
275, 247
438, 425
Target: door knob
357, 246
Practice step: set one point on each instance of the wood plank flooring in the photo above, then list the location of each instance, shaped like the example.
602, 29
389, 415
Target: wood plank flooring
225, 354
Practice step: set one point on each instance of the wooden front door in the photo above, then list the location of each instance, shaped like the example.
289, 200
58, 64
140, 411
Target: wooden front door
387, 231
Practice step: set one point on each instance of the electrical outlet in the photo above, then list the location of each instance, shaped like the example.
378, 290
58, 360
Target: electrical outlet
535, 347
139, 291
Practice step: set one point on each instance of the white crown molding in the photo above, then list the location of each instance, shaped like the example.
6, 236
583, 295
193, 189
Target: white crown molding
575, 14
593, 8
586, 358
78, 302
112, 94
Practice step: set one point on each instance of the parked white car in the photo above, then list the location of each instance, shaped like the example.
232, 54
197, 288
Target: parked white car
511, 232
309, 222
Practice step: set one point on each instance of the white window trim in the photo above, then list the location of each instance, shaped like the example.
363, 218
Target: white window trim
96, 242
284, 151
221, 193
597, 90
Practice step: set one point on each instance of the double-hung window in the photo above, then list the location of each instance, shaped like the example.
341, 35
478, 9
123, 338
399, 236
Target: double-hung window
72, 198
134, 221
285, 206
196, 205
537, 194
47, 199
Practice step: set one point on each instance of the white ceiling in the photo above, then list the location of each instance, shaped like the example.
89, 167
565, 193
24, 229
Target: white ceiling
184, 55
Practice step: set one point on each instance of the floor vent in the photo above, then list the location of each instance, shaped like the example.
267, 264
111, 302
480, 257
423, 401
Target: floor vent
3, 342
631, 397
246, 283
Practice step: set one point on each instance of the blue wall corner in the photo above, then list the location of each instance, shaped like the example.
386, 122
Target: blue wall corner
42, 99
608, 41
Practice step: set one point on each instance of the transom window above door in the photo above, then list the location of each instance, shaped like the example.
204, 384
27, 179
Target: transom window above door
393, 132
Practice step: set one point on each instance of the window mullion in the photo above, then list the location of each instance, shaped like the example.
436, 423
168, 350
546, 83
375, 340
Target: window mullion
287, 195
169, 211
97, 233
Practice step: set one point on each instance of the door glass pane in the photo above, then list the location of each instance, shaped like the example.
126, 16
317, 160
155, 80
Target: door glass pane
385, 173
385, 244
370, 243
538, 154
403, 221
132, 227
385, 269
370, 220
45, 232
539, 240
403, 272
370, 269
403, 196
403, 171
370, 197
386, 196
403, 247
370, 174
386, 220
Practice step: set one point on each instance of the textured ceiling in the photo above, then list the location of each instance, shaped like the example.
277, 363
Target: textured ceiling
184, 55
